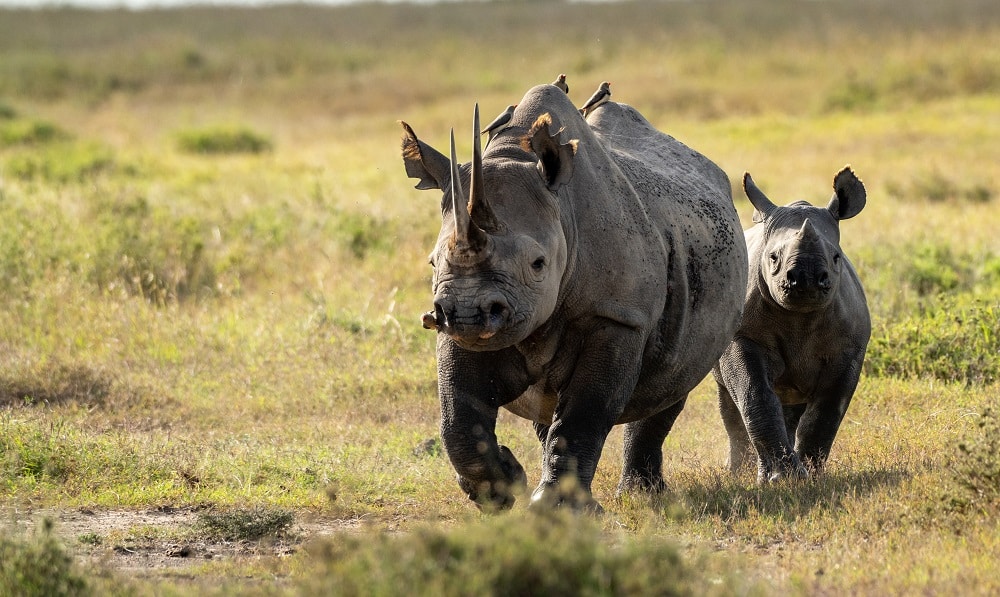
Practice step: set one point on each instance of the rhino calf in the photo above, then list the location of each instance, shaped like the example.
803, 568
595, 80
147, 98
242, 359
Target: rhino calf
794, 363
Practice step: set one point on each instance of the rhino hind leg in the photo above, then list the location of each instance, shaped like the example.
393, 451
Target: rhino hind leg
642, 469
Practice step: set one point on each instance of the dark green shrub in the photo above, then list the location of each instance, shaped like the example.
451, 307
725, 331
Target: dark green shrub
223, 140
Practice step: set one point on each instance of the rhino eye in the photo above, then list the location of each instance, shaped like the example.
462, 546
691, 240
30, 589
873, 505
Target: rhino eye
538, 264
836, 258
431, 261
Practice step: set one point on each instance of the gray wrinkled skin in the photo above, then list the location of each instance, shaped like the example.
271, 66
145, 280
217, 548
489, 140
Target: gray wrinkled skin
792, 368
588, 274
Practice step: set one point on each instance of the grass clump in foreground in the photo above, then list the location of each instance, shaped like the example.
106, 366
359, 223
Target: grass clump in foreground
38, 565
549, 554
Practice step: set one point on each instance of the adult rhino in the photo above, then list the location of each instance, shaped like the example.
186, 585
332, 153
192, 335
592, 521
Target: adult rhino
787, 379
591, 277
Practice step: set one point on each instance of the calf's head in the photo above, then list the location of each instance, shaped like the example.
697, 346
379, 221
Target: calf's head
799, 256
501, 252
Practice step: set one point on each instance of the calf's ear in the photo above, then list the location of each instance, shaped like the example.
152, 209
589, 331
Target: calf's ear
849, 196
424, 162
762, 206
555, 159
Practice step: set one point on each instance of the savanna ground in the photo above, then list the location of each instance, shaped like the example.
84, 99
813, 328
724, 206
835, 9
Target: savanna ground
212, 371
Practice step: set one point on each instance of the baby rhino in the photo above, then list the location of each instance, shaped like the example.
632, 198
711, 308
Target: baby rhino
787, 378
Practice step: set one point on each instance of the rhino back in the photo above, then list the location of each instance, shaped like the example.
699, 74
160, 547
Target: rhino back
688, 200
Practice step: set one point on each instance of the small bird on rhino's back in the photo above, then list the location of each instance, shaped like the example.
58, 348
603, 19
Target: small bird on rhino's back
600, 96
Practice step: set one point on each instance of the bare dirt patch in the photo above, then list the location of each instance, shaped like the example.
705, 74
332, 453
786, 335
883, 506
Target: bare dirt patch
163, 540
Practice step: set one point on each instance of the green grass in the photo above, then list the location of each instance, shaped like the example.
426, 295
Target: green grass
212, 267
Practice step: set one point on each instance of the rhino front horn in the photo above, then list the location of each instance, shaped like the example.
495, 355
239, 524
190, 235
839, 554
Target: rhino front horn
469, 238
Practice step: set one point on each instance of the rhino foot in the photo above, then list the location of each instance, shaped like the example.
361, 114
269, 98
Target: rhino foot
641, 484
797, 473
497, 494
564, 493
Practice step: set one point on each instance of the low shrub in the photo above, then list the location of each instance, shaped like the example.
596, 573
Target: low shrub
538, 555
39, 565
29, 132
223, 140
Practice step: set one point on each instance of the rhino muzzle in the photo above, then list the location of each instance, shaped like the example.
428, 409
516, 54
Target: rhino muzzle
469, 324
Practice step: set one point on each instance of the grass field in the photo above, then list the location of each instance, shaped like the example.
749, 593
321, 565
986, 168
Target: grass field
212, 267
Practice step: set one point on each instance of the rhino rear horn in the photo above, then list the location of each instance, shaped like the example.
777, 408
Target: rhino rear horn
468, 236
762, 205
849, 195
479, 206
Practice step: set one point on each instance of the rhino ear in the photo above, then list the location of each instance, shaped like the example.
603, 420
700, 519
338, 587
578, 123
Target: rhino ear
555, 160
423, 161
849, 196
762, 205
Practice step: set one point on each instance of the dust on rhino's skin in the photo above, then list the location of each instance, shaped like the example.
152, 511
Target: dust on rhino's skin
792, 368
592, 276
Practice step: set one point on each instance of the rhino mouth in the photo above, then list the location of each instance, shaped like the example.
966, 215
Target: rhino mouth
489, 331
794, 298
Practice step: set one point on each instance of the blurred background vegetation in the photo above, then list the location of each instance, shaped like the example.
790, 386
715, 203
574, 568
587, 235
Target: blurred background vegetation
212, 264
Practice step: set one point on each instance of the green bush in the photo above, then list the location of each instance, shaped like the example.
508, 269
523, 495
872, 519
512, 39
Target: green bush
952, 339
38, 566
223, 140
537, 555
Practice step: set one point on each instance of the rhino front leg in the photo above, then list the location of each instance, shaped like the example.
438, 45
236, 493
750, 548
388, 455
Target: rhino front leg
471, 388
604, 378
821, 421
643, 465
743, 369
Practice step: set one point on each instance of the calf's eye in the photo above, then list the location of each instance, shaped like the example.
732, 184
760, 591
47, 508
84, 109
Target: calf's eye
538, 264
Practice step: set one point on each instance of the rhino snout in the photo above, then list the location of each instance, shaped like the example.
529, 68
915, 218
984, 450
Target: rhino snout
802, 281
480, 320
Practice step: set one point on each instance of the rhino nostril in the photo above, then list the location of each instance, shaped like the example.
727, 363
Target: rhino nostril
824, 281
439, 314
497, 313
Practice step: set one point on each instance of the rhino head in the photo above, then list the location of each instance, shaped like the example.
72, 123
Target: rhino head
501, 252
800, 260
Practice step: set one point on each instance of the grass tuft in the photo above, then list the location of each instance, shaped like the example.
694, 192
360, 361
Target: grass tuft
252, 524
976, 467
53, 382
